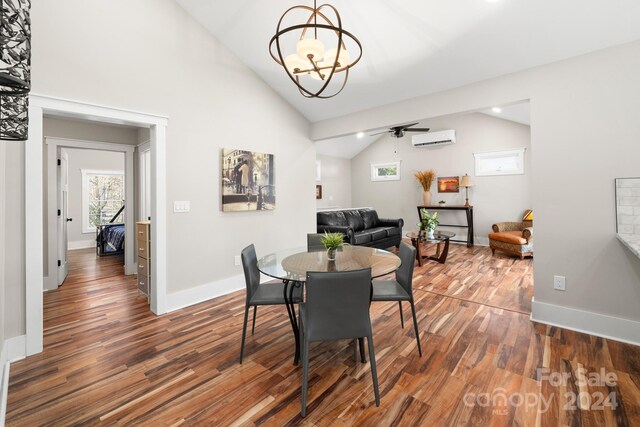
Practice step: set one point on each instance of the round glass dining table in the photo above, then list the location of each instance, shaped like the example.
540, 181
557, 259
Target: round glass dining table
292, 265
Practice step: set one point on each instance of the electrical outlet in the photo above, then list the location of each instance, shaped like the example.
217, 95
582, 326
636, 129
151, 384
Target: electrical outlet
236, 260
559, 283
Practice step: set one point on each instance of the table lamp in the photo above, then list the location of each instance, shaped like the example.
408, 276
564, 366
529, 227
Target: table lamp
466, 183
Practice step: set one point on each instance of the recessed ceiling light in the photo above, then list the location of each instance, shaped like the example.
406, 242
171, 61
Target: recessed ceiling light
360, 134
496, 110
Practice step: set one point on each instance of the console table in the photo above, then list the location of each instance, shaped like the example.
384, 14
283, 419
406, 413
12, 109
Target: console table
469, 215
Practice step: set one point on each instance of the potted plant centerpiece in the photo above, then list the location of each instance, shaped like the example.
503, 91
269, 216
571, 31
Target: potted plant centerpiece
428, 222
332, 242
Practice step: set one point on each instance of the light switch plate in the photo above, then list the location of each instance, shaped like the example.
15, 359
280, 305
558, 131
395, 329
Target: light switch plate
181, 206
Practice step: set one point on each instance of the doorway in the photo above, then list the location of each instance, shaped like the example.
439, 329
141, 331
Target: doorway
34, 227
98, 167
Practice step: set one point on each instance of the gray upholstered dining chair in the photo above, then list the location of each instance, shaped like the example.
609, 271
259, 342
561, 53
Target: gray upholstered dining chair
400, 289
270, 293
337, 308
314, 242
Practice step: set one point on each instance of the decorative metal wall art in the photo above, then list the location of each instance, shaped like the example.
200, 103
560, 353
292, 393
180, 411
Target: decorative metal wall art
15, 69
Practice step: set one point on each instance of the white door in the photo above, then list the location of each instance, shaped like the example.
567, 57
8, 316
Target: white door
63, 208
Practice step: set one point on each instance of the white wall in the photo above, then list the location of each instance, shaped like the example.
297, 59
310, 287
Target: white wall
160, 61
78, 160
3, 243
584, 133
91, 131
335, 181
494, 198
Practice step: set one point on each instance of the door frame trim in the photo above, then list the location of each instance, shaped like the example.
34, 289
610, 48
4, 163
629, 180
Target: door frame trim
41, 105
54, 144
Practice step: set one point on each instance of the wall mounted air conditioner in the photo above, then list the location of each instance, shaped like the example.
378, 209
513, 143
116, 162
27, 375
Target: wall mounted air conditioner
433, 139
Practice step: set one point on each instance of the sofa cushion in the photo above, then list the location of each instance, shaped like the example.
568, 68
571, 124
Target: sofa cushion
377, 233
393, 231
354, 219
513, 237
362, 238
332, 218
370, 217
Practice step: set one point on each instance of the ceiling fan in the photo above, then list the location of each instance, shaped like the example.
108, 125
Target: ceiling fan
399, 131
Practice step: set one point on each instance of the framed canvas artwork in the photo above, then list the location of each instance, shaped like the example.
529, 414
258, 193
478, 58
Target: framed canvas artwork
318, 191
448, 184
248, 181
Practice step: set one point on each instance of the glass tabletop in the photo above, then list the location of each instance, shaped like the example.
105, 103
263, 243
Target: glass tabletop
438, 236
293, 264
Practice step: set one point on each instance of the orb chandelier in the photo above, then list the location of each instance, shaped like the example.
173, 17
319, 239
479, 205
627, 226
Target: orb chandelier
15, 69
311, 67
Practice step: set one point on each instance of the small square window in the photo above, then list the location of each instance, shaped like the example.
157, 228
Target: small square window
385, 171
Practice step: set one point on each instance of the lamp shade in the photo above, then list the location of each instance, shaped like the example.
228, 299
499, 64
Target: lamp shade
330, 57
310, 47
293, 62
466, 181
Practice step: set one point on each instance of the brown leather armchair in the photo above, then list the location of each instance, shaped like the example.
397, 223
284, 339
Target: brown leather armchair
515, 238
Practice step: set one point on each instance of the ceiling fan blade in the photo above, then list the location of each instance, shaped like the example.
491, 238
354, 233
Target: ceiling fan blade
417, 130
405, 127
380, 133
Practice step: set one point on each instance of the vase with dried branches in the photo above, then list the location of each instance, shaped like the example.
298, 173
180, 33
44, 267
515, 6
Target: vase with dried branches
425, 178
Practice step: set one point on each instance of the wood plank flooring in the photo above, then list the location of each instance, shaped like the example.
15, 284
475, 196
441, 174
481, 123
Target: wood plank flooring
108, 360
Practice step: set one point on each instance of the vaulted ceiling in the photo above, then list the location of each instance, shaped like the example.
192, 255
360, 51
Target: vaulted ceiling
416, 47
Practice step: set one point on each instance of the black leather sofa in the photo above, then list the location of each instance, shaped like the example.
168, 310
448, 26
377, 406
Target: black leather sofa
362, 227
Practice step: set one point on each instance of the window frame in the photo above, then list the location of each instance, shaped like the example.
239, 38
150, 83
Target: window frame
375, 168
484, 170
86, 173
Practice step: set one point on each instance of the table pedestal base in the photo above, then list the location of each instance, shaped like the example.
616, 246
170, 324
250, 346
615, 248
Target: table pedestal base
441, 257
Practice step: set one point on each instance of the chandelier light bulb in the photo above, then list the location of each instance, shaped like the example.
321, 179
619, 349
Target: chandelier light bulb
293, 62
310, 49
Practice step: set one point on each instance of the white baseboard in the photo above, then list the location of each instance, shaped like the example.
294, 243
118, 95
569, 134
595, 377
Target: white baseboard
4, 389
14, 349
82, 244
182, 299
587, 322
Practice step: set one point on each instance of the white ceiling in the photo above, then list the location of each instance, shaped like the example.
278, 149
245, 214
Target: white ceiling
415, 47
519, 113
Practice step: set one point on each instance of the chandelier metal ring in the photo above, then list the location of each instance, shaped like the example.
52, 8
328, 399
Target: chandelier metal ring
333, 68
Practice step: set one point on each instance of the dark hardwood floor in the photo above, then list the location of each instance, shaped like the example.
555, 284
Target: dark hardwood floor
108, 360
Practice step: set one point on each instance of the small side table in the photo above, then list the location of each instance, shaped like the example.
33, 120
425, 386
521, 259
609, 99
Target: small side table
438, 237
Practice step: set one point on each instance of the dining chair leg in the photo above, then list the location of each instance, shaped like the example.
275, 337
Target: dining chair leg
374, 373
305, 374
363, 358
244, 331
253, 325
401, 315
415, 326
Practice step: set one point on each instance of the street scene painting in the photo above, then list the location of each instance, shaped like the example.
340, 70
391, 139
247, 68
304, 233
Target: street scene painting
248, 181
